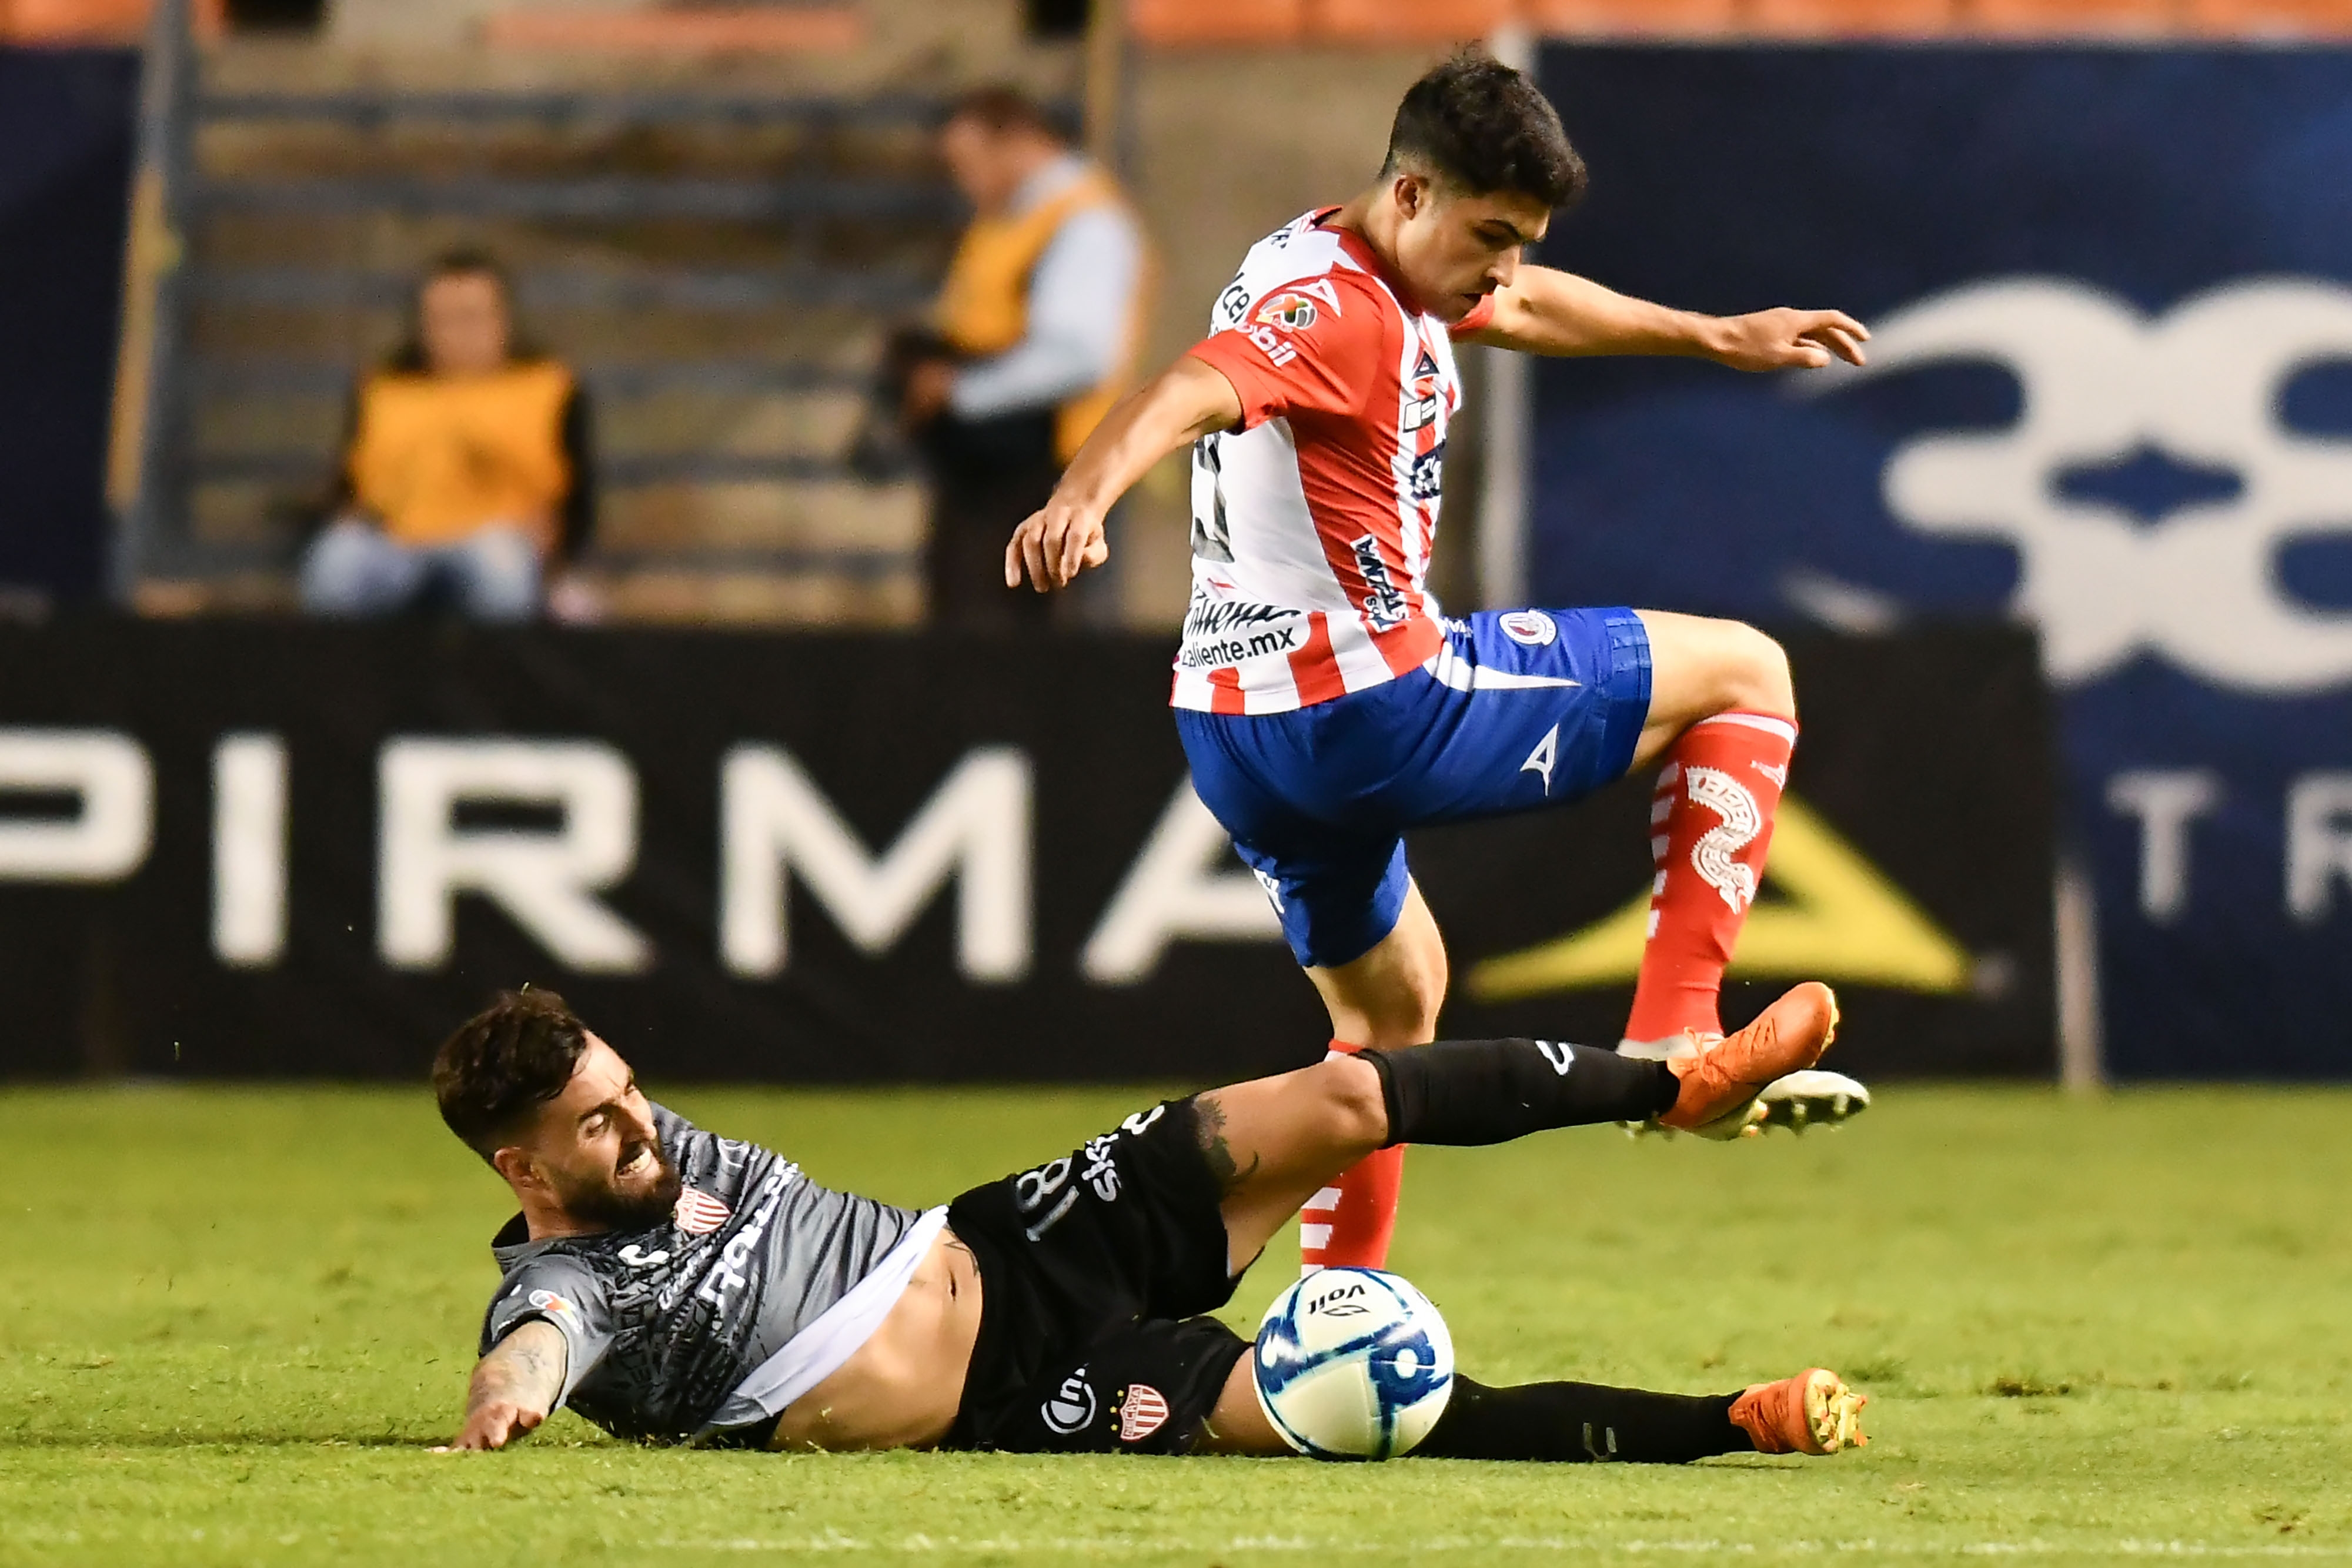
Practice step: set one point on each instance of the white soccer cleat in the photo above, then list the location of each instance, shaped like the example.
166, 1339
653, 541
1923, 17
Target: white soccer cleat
1813, 1098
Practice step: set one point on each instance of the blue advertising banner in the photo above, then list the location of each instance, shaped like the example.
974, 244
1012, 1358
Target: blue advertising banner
66, 123
2110, 395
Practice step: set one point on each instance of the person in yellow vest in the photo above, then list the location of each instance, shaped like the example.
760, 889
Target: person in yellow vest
1032, 338
466, 473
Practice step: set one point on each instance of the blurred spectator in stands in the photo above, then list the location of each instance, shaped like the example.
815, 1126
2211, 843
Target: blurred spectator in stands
1031, 341
467, 480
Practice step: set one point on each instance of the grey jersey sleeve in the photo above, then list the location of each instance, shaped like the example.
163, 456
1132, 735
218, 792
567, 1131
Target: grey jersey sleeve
566, 1292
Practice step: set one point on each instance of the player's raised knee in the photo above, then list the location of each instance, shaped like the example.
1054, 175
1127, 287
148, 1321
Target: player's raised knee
1353, 1107
1755, 672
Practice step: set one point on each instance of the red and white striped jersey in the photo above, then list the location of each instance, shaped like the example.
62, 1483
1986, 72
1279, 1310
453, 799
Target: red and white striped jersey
1312, 521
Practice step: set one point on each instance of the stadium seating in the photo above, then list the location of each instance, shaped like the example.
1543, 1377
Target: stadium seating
1254, 23
1425, 21
90, 21
1179, 23
1848, 19
722, 317
681, 29
1666, 17
727, 328
2271, 18
2074, 18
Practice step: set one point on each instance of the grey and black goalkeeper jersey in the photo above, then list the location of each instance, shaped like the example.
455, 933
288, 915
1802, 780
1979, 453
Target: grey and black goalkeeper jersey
662, 1325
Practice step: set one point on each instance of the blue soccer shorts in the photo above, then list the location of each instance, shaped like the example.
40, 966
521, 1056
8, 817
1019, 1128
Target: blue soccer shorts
1521, 709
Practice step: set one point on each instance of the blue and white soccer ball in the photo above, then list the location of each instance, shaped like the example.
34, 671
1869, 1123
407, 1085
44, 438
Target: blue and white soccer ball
1353, 1363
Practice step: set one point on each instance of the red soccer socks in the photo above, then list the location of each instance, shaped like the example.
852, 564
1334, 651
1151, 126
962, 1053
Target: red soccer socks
1710, 823
1348, 1225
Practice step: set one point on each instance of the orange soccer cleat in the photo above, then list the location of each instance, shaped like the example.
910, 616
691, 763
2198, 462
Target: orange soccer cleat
1812, 1412
1721, 1077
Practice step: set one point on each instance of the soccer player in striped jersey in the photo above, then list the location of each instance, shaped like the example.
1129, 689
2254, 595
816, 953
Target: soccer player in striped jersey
1325, 705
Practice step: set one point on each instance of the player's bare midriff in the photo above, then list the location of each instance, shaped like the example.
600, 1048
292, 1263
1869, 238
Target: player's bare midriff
903, 1387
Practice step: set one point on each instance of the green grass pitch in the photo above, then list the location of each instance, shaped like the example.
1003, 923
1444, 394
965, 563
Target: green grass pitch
235, 1319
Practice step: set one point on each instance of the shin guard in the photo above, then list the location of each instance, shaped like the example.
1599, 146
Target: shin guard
1582, 1423
1470, 1092
1348, 1223
1710, 825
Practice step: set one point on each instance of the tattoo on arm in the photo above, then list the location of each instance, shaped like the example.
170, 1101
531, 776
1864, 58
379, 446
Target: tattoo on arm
1210, 1118
525, 1368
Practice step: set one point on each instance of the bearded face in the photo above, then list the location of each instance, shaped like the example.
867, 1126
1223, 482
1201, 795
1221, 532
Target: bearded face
594, 1150
636, 1192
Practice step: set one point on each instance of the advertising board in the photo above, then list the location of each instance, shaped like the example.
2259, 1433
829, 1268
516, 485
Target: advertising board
282, 848
2109, 396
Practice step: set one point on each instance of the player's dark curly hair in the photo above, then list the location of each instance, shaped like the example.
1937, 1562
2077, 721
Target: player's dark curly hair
1479, 124
504, 1062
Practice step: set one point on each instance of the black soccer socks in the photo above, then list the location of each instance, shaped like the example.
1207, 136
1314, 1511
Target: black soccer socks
1580, 1423
1469, 1092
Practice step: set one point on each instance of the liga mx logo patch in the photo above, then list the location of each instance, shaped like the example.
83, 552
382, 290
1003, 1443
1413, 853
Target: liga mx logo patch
699, 1214
548, 1302
1289, 312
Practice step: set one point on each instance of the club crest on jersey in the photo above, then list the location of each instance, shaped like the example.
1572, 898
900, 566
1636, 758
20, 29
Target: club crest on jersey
1529, 628
1143, 1412
699, 1214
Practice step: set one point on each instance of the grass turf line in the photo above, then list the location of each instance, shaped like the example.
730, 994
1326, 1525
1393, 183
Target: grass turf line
234, 1319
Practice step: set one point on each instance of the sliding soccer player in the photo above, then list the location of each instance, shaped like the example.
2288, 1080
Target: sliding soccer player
671, 1285
1324, 704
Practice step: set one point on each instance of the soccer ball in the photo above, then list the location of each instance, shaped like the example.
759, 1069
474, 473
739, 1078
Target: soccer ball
1353, 1363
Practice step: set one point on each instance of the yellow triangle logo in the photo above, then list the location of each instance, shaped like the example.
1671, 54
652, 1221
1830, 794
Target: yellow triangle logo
1838, 918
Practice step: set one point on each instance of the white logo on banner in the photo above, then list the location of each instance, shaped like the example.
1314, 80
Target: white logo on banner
2201, 382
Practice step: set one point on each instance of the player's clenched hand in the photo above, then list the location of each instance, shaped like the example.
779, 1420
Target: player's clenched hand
1787, 340
493, 1425
1052, 546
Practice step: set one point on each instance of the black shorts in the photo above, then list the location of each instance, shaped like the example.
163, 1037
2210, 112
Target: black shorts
1094, 1272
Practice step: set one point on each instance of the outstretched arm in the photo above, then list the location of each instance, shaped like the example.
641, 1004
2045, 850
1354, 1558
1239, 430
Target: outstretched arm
514, 1387
1547, 311
1183, 403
